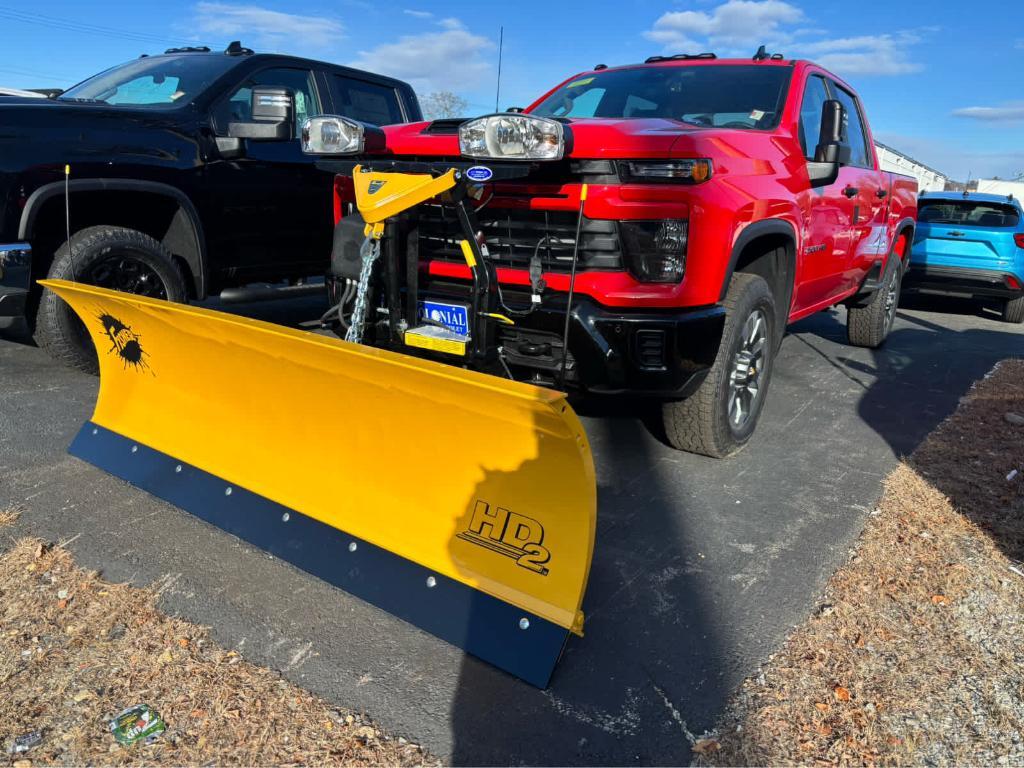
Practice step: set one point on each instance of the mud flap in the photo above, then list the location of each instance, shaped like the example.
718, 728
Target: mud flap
460, 502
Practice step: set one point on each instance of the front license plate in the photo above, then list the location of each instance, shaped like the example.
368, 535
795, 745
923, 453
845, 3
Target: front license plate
452, 316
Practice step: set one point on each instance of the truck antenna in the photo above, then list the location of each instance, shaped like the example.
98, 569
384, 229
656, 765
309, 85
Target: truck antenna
501, 45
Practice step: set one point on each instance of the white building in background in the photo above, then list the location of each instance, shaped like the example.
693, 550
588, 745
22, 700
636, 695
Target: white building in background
928, 179
1002, 187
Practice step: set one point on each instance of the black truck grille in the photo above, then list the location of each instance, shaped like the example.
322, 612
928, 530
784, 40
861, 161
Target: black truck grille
513, 236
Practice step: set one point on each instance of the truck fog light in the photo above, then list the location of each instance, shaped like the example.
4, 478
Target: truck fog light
655, 250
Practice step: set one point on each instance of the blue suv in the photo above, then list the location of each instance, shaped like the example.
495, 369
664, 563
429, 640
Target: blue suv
970, 244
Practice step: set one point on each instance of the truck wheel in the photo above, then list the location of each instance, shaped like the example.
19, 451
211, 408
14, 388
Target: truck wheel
110, 257
868, 326
1013, 310
719, 418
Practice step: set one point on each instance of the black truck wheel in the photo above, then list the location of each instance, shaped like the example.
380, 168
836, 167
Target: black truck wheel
719, 418
110, 257
869, 325
1013, 310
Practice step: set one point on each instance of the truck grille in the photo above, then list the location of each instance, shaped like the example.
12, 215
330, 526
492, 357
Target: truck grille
514, 235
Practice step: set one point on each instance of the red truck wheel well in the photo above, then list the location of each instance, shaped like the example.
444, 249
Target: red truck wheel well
767, 248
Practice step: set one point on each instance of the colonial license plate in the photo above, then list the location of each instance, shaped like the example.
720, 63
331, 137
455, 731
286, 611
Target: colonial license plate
455, 317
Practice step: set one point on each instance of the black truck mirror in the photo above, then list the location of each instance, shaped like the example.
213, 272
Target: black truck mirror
273, 116
832, 150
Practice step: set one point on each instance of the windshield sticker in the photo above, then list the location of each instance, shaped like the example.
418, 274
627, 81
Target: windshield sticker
578, 83
756, 114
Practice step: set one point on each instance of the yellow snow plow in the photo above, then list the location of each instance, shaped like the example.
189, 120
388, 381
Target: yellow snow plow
461, 502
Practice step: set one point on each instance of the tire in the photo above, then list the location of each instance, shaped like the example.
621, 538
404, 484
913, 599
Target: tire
112, 257
869, 325
704, 423
1013, 310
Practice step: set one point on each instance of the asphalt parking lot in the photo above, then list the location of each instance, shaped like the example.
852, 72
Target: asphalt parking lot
700, 570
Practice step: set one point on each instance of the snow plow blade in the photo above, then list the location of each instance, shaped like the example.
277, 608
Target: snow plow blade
460, 502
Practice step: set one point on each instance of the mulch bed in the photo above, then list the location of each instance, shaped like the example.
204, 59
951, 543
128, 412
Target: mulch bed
916, 652
75, 650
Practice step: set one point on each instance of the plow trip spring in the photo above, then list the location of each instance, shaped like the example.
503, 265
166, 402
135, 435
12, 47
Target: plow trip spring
458, 501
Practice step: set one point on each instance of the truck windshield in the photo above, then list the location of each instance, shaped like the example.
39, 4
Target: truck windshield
968, 213
153, 81
726, 96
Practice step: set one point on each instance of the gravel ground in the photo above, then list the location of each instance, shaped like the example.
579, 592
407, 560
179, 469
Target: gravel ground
914, 655
75, 650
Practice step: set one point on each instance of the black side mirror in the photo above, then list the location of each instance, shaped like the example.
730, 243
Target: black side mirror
273, 116
832, 150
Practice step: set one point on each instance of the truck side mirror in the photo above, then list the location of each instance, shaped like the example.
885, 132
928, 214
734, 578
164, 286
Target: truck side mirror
832, 150
273, 116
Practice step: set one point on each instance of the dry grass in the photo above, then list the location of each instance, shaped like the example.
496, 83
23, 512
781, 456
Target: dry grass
915, 655
75, 650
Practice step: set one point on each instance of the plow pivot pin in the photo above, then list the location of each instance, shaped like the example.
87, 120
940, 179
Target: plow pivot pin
285, 517
228, 491
524, 623
352, 546
431, 582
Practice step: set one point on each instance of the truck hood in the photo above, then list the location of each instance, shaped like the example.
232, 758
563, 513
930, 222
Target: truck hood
592, 138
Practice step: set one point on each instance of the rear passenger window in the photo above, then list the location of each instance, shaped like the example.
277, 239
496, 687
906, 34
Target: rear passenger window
369, 102
855, 135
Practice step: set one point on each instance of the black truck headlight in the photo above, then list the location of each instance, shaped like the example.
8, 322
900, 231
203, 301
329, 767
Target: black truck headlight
512, 136
655, 251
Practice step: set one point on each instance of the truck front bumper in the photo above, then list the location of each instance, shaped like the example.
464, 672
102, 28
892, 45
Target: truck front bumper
962, 281
661, 353
15, 278
653, 353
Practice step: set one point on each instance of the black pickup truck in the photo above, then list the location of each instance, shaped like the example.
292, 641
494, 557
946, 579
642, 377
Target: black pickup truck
178, 176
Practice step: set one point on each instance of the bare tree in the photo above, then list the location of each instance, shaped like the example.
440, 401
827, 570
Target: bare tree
443, 104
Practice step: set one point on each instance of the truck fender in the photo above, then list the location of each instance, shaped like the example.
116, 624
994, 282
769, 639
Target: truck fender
778, 227
905, 224
184, 237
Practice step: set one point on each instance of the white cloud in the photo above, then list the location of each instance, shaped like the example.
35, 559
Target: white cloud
865, 55
449, 60
735, 22
418, 14
275, 30
1009, 112
736, 27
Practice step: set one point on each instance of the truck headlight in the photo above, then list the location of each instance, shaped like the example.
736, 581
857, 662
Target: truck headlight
512, 136
332, 135
655, 250
688, 171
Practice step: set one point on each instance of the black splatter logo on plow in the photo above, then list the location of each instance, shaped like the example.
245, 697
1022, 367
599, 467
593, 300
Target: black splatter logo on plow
125, 343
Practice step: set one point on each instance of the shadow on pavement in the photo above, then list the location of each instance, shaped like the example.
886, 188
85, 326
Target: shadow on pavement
623, 693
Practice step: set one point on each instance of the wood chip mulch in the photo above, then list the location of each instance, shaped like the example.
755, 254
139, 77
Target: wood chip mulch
75, 650
916, 652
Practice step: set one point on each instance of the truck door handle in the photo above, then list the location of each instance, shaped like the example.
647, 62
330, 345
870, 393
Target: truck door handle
881, 193
850, 191
956, 233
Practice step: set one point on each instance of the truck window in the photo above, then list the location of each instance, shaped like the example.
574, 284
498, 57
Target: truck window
726, 96
237, 108
155, 81
369, 102
815, 96
856, 136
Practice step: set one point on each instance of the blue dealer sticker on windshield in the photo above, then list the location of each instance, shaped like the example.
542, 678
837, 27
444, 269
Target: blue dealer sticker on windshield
480, 173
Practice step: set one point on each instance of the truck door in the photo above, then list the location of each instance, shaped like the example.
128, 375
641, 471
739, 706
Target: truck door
270, 209
821, 269
868, 190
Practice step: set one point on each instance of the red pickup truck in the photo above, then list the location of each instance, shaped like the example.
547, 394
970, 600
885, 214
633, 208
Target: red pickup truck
725, 199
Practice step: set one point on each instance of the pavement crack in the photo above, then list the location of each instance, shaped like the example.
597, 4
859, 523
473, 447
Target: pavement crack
676, 715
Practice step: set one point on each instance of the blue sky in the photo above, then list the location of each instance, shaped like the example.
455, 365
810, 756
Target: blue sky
940, 81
